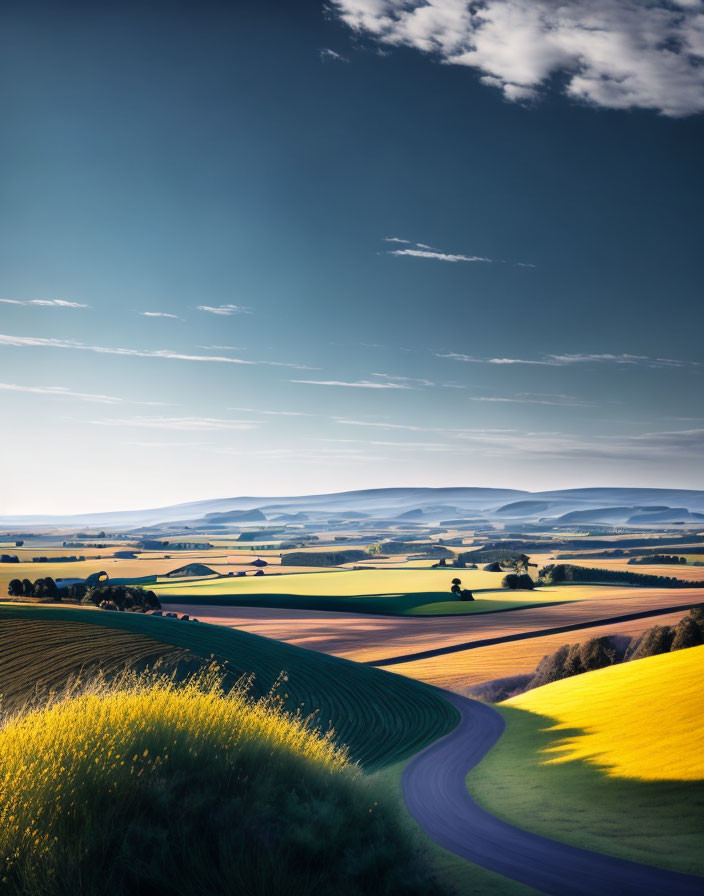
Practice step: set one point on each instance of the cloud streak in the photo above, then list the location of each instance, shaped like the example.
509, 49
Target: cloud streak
360, 384
224, 310
160, 314
164, 354
44, 303
565, 360
615, 54
183, 424
64, 392
437, 256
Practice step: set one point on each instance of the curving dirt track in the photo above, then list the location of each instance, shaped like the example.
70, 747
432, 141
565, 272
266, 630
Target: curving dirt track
436, 795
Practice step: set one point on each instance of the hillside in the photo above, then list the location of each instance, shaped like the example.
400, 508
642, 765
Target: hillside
381, 717
614, 759
612, 712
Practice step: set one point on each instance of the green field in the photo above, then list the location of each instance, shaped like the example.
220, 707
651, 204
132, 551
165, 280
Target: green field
595, 786
380, 716
342, 583
395, 592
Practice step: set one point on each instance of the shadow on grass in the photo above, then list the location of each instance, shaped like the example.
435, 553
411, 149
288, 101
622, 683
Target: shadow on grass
420, 603
652, 822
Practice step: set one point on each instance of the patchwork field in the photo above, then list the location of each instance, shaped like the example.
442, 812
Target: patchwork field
460, 671
367, 638
381, 717
613, 758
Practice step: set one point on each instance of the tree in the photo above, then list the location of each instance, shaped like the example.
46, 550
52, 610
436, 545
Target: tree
27, 588
14, 589
687, 634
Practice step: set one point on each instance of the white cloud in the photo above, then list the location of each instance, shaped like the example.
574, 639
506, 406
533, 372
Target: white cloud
360, 384
43, 342
576, 358
160, 314
617, 54
224, 310
273, 413
328, 55
63, 392
45, 303
395, 239
185, 424
417, 381
438, 256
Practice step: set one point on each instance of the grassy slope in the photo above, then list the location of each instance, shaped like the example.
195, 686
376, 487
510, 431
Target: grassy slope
417, 604
381, 717
346, 583
643, 720
394, 592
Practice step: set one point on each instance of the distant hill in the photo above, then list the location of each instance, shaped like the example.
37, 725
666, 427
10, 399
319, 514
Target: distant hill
614, 506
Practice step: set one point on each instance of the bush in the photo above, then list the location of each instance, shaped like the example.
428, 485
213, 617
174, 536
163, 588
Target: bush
150, 788
124, 597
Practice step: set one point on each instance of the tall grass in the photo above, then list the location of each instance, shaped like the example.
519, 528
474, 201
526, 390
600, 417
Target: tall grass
147, 786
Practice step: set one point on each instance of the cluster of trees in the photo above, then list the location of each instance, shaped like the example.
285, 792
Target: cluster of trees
322, 558
9, 558
515, 581
121, 597
658, 559
46, 588
597, 653
558, 573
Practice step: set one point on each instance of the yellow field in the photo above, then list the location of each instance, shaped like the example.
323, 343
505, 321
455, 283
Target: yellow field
640, 720
349, 583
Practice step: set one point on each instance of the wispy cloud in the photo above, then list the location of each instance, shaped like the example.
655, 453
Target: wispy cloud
416, 381
184, 424
577, 358
224, 310
360, 384
223, 348
615, 54
438, 256
395, 239
408, 427
160, 314
43, 342
64, 392
534, 398
273, 413
328, 55
44, 303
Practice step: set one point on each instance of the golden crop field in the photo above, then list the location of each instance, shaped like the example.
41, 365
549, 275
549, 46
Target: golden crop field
459, 671
640, 720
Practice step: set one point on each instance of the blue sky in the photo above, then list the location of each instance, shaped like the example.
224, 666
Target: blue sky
291, 248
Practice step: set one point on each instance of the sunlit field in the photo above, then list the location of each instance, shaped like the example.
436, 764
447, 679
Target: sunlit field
460, 671
615, 709
613, 758
89, 788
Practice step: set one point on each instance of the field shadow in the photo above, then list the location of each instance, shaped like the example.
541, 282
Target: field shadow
579, 802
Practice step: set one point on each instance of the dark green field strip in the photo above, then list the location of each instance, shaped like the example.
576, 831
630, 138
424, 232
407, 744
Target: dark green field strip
38, 655
380, 716
371, 604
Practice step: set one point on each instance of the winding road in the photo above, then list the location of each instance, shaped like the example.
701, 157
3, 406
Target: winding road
436, 795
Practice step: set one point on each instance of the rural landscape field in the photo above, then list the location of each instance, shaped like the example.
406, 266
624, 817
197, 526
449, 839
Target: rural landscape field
529, 682
352, 459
